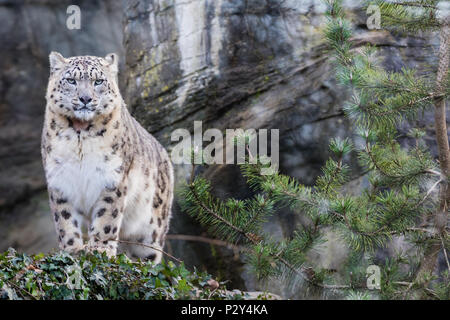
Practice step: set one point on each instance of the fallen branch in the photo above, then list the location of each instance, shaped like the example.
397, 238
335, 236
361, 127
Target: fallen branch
217, 242
149, 246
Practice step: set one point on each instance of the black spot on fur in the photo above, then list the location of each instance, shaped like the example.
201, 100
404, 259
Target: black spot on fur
161, 182
115, 147
101, 132
101, 212
75, 223
154, 235
151, 257
107, 119
70, 242
66, 214
115, 213
111, 188
108, 199
114, 230
118, 193
107, 229
157, 201
61, 201
56, 216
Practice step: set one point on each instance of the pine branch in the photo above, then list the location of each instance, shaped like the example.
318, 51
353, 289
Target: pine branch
419, 4
211, 212
405, 174
408, 16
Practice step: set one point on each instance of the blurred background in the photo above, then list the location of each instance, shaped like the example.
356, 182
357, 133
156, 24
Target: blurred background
230, 63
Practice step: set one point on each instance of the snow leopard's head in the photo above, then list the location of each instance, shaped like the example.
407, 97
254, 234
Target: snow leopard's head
83, 87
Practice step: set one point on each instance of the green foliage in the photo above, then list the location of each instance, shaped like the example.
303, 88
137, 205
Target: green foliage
358, 295
403, 180
237, 217
61, 276
409, 16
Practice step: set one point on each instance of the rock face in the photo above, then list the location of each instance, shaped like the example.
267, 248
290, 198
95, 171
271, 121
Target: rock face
248, 64
229, 63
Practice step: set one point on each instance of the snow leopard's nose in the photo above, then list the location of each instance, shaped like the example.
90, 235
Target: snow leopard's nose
85, 99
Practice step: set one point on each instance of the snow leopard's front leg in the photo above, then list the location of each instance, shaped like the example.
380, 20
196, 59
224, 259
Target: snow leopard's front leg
107, 218
67, 222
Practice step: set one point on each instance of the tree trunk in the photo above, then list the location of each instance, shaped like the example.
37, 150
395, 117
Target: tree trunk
440, 216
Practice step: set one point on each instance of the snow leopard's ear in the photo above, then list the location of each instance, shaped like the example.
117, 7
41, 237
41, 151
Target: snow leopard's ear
57, 61
113, 62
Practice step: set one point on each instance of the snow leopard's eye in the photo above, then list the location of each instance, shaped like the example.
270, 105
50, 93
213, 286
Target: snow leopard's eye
98, 82
71, 81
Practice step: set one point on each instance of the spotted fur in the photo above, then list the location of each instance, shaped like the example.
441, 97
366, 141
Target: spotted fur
103, 170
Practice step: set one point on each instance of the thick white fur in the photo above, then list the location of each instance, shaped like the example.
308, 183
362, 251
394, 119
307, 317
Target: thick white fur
82, 174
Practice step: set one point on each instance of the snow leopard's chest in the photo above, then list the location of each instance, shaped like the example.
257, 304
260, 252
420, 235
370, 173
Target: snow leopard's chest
82, 170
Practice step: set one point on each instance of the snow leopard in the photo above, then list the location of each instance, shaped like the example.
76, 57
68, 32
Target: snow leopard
110, 182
